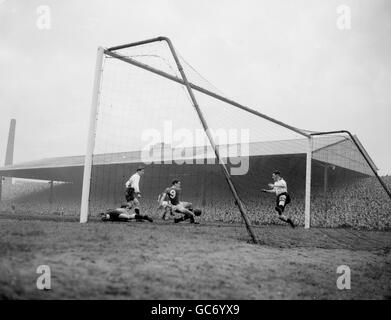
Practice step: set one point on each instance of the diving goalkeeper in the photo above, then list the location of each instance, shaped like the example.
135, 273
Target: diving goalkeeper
123, 214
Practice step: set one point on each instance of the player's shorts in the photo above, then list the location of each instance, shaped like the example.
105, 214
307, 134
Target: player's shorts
165, 204
181, 206
130, 195
282, 200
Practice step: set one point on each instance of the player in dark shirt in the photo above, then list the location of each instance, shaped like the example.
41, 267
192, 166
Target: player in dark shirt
170, 199
123, 214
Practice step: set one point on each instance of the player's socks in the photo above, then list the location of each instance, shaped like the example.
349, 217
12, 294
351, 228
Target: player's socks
290, 222
148, 218
124, 219
282, 219
176, 220
166, 212
138, 217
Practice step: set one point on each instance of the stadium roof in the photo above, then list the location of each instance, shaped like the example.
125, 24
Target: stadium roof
333, 150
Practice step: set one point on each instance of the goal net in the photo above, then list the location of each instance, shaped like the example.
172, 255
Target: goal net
151, 108
346, 189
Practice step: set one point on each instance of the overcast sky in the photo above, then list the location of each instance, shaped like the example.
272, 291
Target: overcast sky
287, 59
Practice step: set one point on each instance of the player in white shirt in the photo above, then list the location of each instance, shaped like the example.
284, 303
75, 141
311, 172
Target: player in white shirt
132, 192
280, 188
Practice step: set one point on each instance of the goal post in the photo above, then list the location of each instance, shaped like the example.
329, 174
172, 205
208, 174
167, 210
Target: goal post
307, 209
91, 137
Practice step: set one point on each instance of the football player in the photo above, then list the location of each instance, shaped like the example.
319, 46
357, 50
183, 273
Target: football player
280, 188
170, 199
123, 214
132, 191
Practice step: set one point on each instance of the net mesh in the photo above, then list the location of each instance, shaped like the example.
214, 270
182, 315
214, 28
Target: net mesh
345, 190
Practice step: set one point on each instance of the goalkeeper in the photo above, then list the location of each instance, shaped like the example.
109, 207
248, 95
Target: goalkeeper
279, 187
123, 214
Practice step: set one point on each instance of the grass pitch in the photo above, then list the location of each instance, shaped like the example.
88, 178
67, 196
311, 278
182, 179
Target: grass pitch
163, 260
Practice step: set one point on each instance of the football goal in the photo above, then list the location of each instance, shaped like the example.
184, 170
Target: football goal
152, 109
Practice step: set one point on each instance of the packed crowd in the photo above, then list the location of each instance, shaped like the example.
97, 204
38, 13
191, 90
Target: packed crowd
361, 204
24, 196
